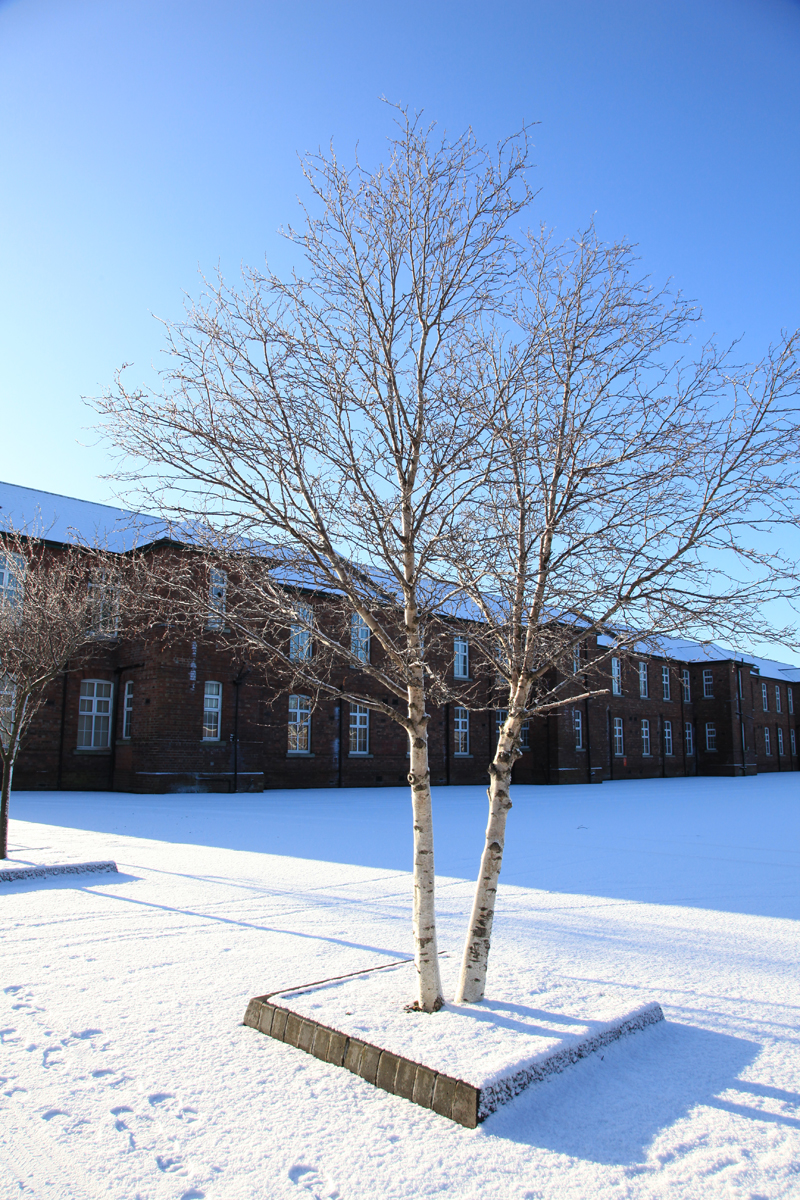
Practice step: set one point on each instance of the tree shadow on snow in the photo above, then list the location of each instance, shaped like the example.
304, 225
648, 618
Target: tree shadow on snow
609, 1107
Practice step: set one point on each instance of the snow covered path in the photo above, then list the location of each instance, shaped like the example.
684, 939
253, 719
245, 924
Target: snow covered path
125, 1072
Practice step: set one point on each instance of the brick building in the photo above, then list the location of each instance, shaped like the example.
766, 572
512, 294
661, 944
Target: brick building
188, 717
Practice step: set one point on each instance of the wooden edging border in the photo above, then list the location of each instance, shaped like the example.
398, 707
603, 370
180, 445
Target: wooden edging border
12, 874
455, 1099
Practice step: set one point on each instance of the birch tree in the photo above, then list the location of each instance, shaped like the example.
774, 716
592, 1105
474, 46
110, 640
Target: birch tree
639, 487
55, 603
329, 418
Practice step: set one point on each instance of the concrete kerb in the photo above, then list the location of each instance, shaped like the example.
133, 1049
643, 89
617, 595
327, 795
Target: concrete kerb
14, 874
455, 1099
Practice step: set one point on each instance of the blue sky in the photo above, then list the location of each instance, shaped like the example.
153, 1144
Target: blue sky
143, 140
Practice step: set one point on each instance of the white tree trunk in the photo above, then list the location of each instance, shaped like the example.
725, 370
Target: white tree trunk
426, 951
475, 961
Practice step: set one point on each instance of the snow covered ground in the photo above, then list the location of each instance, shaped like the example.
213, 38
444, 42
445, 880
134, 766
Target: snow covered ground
125, 1072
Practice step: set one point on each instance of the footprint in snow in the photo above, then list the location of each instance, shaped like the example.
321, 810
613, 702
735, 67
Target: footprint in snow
311, 1180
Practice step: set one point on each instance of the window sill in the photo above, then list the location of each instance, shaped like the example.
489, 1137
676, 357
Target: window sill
210, 741
462, 756
299, 754
95, 750
358, 754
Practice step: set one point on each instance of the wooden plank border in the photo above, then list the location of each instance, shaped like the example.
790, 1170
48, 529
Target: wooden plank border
453, 1098
12, 874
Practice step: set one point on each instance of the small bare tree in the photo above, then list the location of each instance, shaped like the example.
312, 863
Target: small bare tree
633, 493
55, 603
331, 417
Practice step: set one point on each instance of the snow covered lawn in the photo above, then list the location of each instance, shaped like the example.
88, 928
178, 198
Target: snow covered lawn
125, 1071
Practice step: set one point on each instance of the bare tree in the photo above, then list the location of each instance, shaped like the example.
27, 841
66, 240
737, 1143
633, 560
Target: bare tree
633, 493
56, 602
331, 418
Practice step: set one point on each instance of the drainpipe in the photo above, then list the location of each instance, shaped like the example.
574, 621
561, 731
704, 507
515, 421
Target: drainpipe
741, 719
63, 722
588, 742
341, 740
610, 745
447, 743
237, 683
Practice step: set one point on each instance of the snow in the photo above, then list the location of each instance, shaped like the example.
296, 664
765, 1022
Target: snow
528, 1018
125, 1071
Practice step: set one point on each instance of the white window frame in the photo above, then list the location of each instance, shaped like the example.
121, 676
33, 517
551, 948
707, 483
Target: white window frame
12, 579
616, 676
645, 737
644, 689
686, 684
8, 696
299, 724
360, 638
127, 711
460, 731
103, 606
576, 659
778, 698
790, 700
665, 684
708, 683
359, 730
793, 741
300, 648
764, 697
668, 746
460, 657
767, 741
711, 736
577, 727
688, 737
212, 710
780, 741
619, 737
94, 714
217, 598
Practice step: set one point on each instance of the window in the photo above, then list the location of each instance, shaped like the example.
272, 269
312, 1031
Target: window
711, 735
12, 575
643, 691
790, 698
299, 724
645, 736
764, 698
127, 711
212, 706
525, 736
460, 658
708, 684
665, 683
577, 725
688, 737
94, 714
576, 659
300, 635
777, 698
217, 595
7, 698
461, 730
767, 746
619, 738
103, 606
687, 691
616, 676
359, 729
793, 741
359, 638
780, 740
668, 737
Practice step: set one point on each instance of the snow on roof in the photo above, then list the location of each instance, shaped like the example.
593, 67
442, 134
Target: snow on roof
695, 652
66, 519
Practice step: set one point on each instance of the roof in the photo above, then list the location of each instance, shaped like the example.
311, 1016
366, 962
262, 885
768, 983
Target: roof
66, 519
